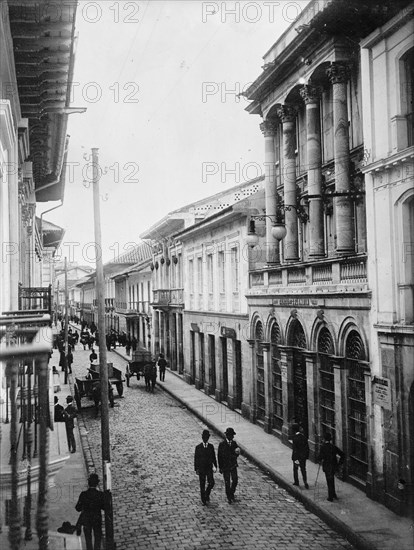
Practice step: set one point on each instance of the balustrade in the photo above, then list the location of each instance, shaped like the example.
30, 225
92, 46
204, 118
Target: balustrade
25, 344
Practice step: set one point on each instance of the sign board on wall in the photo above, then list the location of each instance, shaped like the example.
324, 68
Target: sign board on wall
382, 392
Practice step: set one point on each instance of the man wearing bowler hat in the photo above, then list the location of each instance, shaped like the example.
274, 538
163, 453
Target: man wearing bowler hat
228, 451
205, 465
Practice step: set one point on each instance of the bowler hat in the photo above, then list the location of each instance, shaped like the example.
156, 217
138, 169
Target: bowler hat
67, 528
230, 431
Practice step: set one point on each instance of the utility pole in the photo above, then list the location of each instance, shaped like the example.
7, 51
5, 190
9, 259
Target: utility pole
100, 296
66, 321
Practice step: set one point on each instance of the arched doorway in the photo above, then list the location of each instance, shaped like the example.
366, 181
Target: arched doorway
277, 396
325, 349
297, 340
260, 381
357, 414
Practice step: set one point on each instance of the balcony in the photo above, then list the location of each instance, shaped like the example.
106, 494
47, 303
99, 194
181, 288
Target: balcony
319, 276
37, 299
28, 453
168, 297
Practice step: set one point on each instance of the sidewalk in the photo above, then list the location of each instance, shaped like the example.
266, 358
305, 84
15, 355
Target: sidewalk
365, 523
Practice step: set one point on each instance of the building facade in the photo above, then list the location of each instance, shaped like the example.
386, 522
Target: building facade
387, 60
310, 304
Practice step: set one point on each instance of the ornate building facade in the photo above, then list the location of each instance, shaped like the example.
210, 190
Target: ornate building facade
310, 304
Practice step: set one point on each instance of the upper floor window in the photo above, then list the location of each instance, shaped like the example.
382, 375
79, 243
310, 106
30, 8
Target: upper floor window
210, 273
222, 275
191, 275
235, 268
407, 92
200, 274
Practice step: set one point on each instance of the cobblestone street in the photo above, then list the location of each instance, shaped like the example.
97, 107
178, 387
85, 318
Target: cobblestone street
156, 491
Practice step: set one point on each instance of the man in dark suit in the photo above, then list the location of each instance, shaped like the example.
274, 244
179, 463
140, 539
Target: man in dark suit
69, 415
328, 456
228, 451
205, 465
90, 504
300, 454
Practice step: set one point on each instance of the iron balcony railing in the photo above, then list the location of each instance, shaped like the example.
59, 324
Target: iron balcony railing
38, 299
25, 345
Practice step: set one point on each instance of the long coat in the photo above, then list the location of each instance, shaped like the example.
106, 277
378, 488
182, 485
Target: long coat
204, 458
227, 456
328, 456
300, 449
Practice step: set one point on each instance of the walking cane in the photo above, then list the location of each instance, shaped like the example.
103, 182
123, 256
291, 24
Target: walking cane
316, 482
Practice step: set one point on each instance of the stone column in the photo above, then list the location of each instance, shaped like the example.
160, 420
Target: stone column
343, 207
288, 115
311, 96
267, 385
268, 128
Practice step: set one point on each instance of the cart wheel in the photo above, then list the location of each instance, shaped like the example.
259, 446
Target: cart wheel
120, 388
77, 397
127, 378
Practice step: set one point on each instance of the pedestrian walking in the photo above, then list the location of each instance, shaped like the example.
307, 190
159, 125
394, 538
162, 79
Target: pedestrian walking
69, 415
69, 360
90, 504
300, 454
153, 375
228, 451
328, 457
147, 376
162, 364
205, 465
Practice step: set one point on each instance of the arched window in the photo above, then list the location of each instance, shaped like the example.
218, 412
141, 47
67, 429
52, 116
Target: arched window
297, 340
326, 383
260, 380
357, 415
406, 283
276, 377
407, 92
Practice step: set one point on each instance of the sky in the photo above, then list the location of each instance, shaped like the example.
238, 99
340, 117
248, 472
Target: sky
160, 80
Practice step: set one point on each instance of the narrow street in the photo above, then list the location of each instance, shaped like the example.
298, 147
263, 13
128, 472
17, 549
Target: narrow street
156, 492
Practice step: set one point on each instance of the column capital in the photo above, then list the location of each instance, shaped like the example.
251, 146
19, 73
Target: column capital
268, 128
287, 112
338, 72
310, 93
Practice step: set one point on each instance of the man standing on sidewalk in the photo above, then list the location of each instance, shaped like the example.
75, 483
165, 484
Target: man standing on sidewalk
90, 504
228, 451
69, 415
205, 465
300, 454
328, 456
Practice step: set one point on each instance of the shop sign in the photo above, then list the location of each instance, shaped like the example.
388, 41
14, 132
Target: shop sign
382, 392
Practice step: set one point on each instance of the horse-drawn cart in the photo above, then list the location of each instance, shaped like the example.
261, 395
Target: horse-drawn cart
140, 357
89, 386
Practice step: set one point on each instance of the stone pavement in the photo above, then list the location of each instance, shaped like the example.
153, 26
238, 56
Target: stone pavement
364, 522
156, 496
